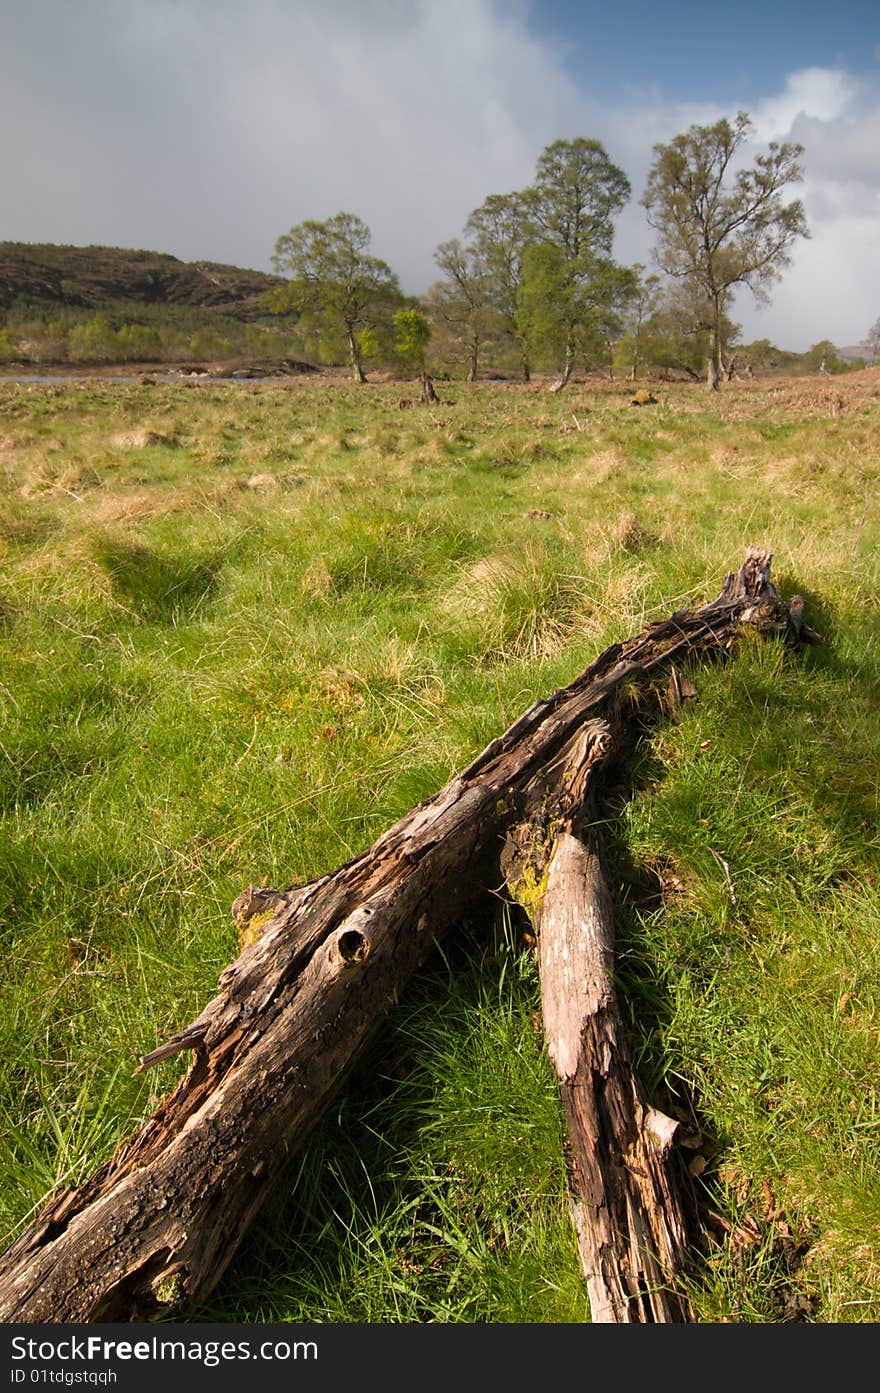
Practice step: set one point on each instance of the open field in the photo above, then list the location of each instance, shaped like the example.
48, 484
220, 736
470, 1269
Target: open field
243, 628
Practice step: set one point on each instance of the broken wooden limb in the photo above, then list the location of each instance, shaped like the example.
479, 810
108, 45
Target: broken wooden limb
625, 1181
153, 1230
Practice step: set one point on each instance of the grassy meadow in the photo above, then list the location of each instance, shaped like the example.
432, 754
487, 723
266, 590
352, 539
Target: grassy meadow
244, 627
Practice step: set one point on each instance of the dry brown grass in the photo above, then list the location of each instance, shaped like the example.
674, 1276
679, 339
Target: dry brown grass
141, 438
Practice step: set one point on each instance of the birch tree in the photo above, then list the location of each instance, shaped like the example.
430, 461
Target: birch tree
335, 280
572, 203
719, 226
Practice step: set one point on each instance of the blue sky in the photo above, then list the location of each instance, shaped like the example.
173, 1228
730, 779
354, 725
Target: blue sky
207, 128
697, 51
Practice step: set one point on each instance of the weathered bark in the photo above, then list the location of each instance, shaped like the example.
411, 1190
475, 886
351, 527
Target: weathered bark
713, 367
610, 345
473, 359
354, 353
153, 1230
625, 1177
567, 368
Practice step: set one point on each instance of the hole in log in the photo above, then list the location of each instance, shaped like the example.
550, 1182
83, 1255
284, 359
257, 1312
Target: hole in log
353, 945
147, 1291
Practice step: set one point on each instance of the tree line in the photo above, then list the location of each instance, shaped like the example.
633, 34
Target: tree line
530, 283
533, 279
138, 333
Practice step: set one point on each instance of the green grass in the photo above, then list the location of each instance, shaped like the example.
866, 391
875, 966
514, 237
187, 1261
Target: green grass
241, 651
400, 1210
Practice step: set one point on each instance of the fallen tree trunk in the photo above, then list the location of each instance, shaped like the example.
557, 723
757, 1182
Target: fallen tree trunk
152, 1231
626, 1200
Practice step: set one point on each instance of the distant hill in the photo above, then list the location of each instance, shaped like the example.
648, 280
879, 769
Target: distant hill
853, 352
92, 278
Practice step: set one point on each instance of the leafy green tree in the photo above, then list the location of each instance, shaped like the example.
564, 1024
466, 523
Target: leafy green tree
138, 343
335, 283
462, 298
208, 343
638, 326
823, 357
9, 349
681, 329
93, 341
762, 356
571, 206
718, 228
264, 341
500, 231
412, 333
573, 305
536, 269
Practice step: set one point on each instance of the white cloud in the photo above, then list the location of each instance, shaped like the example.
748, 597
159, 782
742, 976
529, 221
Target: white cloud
207, 128
832, 288
822, 94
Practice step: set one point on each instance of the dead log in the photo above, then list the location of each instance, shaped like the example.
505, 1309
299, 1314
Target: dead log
626, 1186
152, 1231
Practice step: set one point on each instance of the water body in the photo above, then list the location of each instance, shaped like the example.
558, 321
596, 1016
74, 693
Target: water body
57, 378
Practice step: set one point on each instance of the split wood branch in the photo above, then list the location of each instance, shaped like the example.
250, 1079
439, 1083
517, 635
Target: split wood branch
626, 1181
